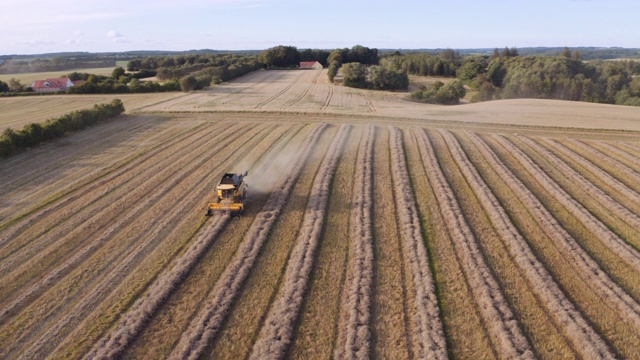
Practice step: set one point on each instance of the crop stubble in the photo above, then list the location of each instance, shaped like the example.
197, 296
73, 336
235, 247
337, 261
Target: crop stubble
206, 324
585, 339
354, 329
104, 285
508, 338
277, 331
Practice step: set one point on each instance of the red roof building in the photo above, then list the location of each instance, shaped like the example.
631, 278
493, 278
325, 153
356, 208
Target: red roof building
310, 65
52, 85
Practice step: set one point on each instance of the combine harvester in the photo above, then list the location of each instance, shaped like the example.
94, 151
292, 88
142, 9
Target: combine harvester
231, 194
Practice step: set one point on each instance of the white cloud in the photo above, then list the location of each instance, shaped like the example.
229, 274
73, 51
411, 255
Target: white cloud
79, 33
114, 35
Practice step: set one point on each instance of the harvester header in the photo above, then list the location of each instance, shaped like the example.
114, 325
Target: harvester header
231, 194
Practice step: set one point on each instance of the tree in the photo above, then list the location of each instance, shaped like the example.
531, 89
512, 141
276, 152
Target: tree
451, 93
188, 83
280, 56
15, 85
566, 53
469, 70
495, 55
117, 72
4, 87
354, 74
387, 79
333, 70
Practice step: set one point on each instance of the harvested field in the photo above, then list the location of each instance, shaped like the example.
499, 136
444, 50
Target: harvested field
375, 228
15, 112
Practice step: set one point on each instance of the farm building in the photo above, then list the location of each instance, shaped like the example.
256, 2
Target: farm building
52, 85
310, 65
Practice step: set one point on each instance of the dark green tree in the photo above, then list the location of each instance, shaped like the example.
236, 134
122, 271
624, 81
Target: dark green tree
117, 72
188, 83
354, 75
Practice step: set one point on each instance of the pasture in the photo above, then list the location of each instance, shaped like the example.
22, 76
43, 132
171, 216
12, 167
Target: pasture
376, 227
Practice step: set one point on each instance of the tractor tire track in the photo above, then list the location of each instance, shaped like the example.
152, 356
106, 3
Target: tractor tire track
278, 94
327, 100
305, 92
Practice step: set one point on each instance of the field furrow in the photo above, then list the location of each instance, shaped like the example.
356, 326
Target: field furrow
506, 334
608, 238
276, 334
354, 330
429, 340
392, 280
209, 319
583, 336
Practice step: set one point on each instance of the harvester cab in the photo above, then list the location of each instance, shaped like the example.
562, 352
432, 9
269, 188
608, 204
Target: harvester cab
231, 194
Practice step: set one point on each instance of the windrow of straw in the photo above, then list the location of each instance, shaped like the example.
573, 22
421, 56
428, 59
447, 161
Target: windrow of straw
208, 321
498, 316
277, 332
583, 336
354, 332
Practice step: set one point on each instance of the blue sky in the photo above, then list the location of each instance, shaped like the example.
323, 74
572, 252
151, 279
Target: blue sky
38, 26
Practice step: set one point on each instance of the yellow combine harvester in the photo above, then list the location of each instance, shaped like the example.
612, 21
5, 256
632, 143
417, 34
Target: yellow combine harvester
231, 194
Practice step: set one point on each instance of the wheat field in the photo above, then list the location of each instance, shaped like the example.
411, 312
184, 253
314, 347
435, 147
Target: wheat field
370, 232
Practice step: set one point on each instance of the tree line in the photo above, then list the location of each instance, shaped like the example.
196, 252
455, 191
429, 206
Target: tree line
562, 77
33, 134
54, 64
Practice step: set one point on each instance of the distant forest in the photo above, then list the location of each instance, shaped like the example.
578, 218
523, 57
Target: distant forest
577, 74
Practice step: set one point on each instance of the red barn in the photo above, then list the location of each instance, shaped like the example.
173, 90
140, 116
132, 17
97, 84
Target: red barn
52, 85
310, 65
